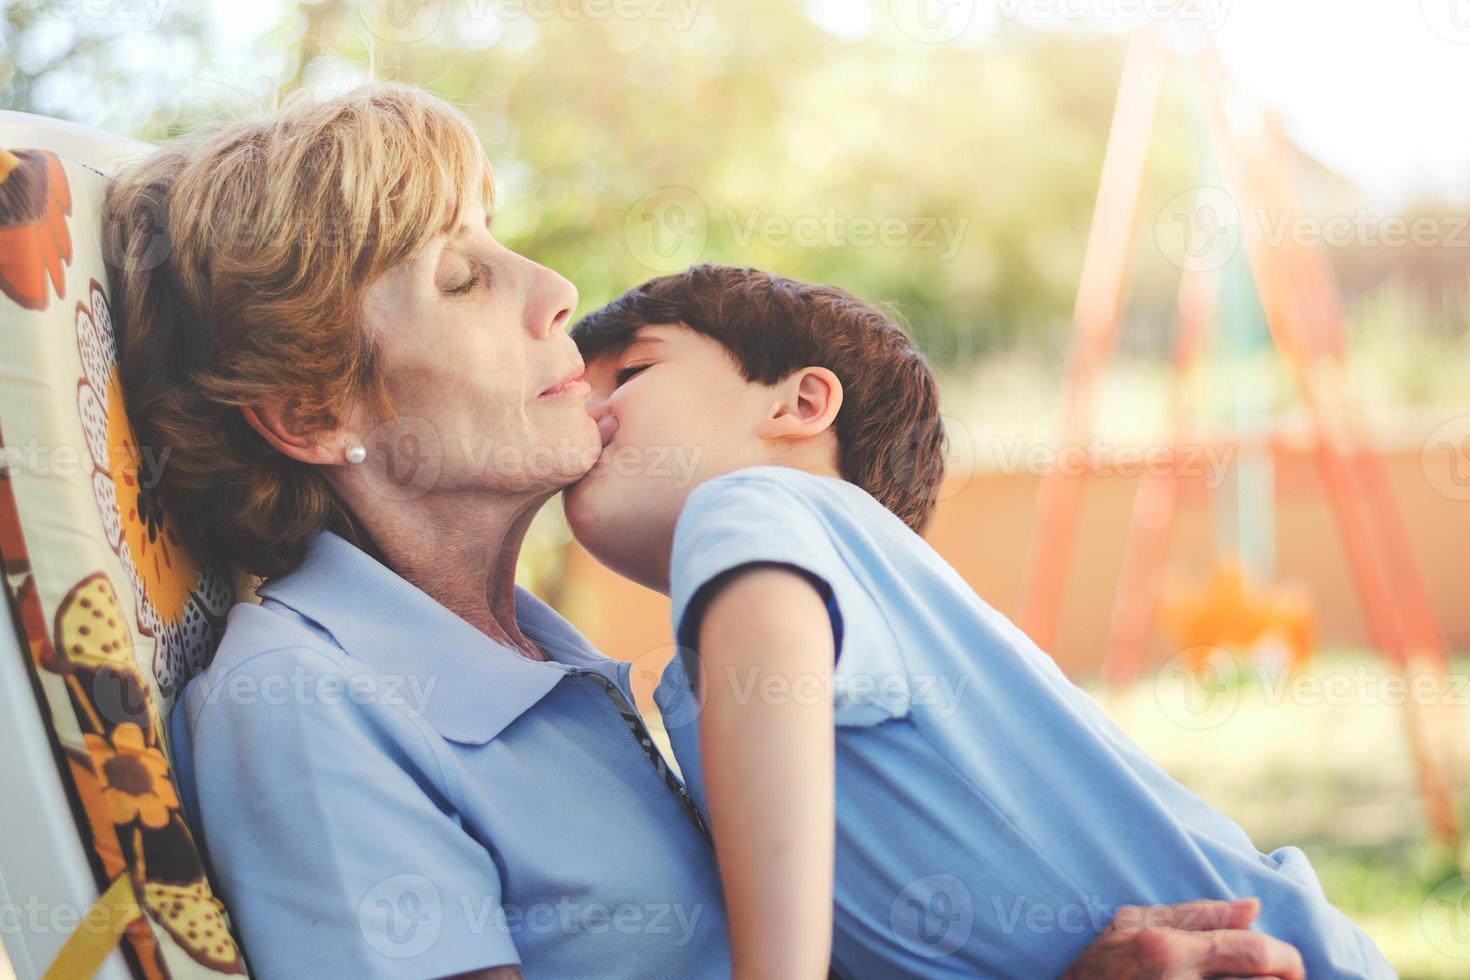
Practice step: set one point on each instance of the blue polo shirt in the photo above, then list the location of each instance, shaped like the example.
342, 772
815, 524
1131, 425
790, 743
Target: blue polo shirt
384, 791
990, 817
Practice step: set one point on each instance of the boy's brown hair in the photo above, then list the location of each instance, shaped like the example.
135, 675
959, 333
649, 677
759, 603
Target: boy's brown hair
889, 433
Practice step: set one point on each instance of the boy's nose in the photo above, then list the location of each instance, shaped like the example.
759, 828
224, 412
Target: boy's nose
607, 425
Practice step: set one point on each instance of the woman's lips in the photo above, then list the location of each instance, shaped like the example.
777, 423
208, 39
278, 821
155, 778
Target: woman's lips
576, 386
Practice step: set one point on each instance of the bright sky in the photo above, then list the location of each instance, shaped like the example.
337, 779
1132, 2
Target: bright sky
1376, 89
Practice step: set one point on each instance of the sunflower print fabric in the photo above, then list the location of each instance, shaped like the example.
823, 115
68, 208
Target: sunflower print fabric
181, 602
35, 242
114, 612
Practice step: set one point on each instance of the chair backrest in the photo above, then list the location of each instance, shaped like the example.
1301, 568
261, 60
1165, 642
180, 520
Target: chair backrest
111, 613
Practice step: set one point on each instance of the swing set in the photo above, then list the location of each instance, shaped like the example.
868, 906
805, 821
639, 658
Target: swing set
1299, 302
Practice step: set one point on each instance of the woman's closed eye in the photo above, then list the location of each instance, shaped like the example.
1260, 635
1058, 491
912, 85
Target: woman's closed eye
466, 278
466, 285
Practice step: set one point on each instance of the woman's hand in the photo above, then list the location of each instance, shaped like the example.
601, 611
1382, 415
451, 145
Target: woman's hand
1189, 941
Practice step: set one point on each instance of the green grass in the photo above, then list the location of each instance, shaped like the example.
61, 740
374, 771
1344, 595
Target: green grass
1330, 773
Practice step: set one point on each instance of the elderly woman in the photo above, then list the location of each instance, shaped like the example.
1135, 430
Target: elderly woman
399, 762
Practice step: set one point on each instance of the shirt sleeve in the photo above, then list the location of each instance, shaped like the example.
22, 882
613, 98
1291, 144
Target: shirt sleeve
334, 839
738, 520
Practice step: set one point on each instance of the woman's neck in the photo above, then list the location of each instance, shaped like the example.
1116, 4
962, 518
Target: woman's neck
462, 551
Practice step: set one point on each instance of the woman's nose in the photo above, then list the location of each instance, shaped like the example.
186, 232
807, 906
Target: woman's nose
552, 301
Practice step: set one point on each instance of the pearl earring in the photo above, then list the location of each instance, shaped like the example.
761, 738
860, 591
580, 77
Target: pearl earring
356, 453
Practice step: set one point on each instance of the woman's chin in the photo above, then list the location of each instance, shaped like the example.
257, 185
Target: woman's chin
585, 449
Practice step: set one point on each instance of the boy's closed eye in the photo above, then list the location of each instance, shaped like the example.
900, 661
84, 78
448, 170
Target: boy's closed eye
624, 374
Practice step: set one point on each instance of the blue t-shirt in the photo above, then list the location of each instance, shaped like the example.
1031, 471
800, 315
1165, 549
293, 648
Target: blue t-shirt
990, 817
381, 790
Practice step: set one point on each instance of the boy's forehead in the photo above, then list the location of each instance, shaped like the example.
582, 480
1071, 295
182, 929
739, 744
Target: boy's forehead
650, 335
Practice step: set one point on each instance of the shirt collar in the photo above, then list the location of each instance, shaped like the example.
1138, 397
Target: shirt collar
469, 687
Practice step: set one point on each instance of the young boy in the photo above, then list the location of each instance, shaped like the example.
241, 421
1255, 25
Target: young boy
771, 452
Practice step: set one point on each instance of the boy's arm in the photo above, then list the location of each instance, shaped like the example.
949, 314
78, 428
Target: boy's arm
766, 737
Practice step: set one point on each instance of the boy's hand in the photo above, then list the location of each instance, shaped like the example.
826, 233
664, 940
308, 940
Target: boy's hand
1186, 942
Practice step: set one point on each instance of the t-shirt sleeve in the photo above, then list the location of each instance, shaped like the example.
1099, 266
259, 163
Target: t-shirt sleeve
330, 831
735, 521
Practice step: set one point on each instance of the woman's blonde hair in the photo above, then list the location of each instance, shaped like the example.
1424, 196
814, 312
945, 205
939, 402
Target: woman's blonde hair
241, 255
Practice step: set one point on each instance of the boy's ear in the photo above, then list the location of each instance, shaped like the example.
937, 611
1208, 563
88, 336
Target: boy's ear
806, 405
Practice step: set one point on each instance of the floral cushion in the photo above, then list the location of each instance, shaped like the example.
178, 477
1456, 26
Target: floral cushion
115, 613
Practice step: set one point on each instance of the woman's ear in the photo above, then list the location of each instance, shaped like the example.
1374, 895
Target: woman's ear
806, 405
278, 426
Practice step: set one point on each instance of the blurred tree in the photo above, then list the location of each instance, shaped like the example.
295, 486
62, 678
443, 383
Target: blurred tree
124, 66
952, 181
955, 183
